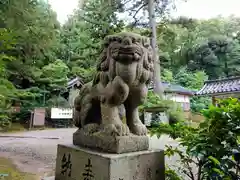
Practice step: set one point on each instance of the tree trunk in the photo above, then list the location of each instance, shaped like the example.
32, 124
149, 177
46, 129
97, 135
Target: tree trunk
158, 88
81, 4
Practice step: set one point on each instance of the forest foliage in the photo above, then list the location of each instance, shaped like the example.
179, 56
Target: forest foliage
38, 54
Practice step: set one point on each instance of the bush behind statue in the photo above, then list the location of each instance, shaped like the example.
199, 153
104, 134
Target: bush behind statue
211, 151
172, 109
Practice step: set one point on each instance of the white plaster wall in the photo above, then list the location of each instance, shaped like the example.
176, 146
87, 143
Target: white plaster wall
178, 98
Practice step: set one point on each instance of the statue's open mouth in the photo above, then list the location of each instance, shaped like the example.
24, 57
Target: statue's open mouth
128, 53
127, 50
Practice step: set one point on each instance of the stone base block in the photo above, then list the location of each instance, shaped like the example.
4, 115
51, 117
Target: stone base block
74, 163
118, 144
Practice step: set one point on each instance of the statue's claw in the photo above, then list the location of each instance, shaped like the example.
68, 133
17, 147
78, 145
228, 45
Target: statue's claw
139, 129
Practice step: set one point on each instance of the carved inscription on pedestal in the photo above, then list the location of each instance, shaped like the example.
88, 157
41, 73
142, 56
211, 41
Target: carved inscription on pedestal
88, 174
66, 165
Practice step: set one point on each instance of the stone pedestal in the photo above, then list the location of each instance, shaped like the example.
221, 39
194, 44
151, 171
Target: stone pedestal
75, 163
111, 144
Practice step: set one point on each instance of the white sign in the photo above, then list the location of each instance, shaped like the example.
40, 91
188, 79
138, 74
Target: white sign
61, 113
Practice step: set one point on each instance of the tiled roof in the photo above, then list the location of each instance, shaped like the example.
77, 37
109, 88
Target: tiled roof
228, 85
75, 81
174, 88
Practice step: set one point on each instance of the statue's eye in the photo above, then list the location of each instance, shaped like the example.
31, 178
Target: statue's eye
106, 44
119, 40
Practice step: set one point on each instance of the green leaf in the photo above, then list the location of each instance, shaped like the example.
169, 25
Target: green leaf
218, 171
214, 160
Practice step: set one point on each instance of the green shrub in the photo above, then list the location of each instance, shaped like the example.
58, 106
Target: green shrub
23, 116
172, 109
4, 122
208, 147
200, 103
175, 113
57, 101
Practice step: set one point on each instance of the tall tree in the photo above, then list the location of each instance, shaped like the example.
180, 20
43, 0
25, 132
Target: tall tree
82, 35
7, 89
157, 71
160, 8
34, 26
34, 29
218, 57
208, 45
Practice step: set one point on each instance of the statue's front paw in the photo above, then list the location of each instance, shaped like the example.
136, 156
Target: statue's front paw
119, 91
116, 129
123, 128
139, 129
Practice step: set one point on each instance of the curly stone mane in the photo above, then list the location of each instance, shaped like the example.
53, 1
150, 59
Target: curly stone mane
106, 66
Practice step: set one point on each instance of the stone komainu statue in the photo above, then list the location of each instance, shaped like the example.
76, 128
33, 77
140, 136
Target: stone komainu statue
123, 73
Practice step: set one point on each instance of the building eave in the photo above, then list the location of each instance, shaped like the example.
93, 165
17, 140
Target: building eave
176, 92
220, 86
218, 94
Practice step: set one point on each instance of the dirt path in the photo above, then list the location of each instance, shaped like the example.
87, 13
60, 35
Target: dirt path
36, 154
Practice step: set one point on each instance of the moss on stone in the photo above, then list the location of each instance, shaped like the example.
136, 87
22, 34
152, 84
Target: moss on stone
9, 169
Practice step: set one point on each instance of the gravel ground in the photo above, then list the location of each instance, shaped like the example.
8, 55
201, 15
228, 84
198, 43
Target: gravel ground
37, 154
